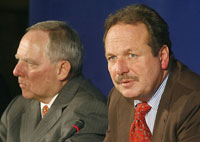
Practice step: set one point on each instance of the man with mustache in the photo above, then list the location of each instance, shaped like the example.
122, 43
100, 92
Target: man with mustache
57, 101
155, 97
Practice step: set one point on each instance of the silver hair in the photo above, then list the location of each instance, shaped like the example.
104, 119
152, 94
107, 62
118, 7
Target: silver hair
64, 44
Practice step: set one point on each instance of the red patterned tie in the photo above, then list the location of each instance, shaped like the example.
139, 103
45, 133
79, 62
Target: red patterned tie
139, 131
44, 110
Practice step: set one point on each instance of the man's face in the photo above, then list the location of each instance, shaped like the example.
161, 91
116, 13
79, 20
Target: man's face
36, 74
135, 72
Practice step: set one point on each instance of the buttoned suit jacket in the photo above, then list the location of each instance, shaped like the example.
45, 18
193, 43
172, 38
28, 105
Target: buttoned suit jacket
178, 115
21, 121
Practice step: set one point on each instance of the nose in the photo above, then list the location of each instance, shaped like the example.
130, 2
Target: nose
121, 66
18, 70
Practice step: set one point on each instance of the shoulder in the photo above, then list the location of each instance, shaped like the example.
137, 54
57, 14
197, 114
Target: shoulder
81, 96
185, 77
182, 88
14, 110
17, 105
88, 104
182, 84
89, 91
182, 94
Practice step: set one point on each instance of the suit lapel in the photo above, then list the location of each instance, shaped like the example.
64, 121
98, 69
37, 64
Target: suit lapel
46, 123
30, 119
125, 116
55, 112
163, 109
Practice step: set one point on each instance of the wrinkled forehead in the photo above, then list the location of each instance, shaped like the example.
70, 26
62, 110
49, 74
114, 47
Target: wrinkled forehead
33, 43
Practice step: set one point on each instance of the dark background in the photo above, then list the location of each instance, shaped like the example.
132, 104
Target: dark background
87, 17
14, 16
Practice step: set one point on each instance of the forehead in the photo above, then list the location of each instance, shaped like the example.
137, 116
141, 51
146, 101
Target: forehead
126, 35
32, 43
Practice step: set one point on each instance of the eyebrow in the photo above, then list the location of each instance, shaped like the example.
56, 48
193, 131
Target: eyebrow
24, 59
108, 54
124, 52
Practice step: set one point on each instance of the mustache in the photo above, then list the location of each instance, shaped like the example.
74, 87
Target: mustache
119, 78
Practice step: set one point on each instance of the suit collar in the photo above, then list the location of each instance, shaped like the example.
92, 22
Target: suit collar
164, 106
46, 123
68, 91
55, 112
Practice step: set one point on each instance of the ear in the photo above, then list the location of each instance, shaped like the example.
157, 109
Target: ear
164, 57
63, 69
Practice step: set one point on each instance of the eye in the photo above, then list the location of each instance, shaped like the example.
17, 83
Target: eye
30, 64
131, 55
111, 58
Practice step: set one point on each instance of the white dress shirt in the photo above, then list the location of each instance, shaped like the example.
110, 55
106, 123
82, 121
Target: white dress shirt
49, 104
154, 103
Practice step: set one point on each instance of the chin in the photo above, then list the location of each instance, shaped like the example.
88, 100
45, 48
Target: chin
131, 96
128, 93
134, 95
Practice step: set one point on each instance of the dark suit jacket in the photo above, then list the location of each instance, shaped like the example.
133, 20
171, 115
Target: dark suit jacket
21, 121
5, 96
178, 115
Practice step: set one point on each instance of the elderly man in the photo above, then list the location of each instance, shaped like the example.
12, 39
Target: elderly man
57, 101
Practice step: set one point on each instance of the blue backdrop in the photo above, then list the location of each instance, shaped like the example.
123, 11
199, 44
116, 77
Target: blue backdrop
87, 18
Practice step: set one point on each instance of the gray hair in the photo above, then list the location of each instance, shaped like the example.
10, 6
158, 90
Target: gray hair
64, 44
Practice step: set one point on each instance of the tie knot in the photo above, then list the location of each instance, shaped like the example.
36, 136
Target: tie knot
44, 110
142, 109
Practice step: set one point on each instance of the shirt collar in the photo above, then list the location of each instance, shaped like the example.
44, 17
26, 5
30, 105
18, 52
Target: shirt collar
155, 99
50, 103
